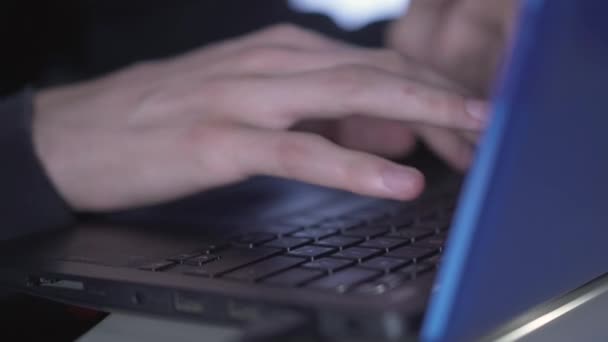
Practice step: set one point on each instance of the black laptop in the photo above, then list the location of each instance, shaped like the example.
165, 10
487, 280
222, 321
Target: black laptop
528, 224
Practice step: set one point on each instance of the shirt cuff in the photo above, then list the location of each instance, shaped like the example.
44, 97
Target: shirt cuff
28, 200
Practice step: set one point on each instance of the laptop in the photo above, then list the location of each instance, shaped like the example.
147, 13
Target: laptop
528, 223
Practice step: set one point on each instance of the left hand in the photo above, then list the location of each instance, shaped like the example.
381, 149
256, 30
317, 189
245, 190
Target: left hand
395, 139
165, 129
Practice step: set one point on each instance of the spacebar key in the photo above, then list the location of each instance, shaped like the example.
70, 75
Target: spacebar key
264, 268
235, 258
344, 280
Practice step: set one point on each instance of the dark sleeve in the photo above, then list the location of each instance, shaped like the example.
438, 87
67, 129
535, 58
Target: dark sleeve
28, 200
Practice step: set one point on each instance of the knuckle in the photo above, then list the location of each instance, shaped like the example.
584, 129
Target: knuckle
284, 29
263, 57
211, 145
403, 147
351, 80
292, 150
210, 95
202, 136
390, 58
446, 108
354, 169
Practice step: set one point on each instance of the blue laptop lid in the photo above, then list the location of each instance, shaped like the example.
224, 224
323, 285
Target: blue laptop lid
533, 217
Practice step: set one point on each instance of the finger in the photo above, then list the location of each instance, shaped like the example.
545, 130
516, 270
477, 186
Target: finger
497, 13
279, 102
278, 61
288, 49
448, 146
413, 32
386, 138
471, 137
313, 159
465, 48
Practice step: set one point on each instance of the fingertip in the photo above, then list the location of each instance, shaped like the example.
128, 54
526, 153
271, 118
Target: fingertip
478, 110
418, 184
401, 182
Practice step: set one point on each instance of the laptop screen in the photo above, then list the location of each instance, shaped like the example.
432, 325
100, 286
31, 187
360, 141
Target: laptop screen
532, 221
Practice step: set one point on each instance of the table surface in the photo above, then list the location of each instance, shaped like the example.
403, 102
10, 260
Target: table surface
580, 316
123, 327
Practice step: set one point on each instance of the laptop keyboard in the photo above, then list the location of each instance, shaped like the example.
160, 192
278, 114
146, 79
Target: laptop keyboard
369, 250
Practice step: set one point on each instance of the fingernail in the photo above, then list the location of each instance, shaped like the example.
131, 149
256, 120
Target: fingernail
398, 180
478, 110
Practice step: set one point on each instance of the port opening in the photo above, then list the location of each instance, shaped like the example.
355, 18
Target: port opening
54, 282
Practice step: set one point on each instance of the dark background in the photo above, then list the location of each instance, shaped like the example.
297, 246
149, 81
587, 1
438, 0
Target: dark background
53, 42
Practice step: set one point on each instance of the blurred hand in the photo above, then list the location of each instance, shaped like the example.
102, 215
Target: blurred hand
464, 40
157, 131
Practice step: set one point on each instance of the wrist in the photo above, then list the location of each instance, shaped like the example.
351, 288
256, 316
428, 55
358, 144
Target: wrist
44, 139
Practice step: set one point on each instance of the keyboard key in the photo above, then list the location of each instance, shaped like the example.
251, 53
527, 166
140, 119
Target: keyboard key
382, 284
431, 216
200, 260
368, 215
279, 229
405, 210
384, 243
434, 260
436, 226
411, 253
435, 242
384, 264
294, 277
401, 221
315, 233
180, 258
357, 253
312, 252
342, 223
344, 280
212, 248
368, 231
339, 241
429, 227
157, 266
444, 226
189, 270
287, 243
331, 209
235, 258
416, 270
302, 221
329, 265
413, 234
264, 268
252, 239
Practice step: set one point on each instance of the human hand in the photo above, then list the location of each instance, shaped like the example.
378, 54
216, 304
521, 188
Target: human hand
463, 40
160, 130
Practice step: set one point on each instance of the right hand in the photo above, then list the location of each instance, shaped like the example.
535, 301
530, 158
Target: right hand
161, 130
465, 41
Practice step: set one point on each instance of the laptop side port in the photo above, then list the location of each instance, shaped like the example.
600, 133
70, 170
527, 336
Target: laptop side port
243, 311
189, 304
54, 282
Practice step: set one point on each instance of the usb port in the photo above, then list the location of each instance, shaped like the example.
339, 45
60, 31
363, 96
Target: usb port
52, 282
